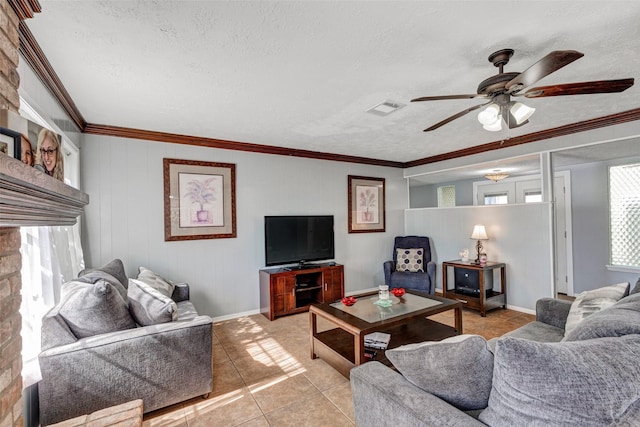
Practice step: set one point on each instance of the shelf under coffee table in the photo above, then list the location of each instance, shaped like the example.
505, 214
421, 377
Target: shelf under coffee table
406, 320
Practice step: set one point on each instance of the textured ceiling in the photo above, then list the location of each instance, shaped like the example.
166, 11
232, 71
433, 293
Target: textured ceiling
301, 74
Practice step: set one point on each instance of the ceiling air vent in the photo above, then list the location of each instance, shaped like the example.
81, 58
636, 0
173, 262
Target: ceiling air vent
385, 108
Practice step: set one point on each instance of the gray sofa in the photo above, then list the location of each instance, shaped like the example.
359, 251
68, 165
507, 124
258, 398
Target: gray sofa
105, 344
540, 377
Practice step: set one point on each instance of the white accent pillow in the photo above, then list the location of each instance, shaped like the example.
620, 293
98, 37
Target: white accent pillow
156, 281
148, 306
589, 302
410, 260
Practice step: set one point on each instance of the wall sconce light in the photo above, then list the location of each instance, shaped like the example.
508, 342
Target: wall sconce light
479, 234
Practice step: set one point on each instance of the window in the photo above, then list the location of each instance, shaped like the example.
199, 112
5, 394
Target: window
496, 199
624, 215
533, 196
447, 196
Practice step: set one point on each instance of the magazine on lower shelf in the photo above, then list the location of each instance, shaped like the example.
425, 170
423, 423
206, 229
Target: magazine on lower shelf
378, 340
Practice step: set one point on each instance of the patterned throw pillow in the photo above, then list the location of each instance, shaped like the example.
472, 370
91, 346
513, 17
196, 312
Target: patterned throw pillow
589, 302
410, 260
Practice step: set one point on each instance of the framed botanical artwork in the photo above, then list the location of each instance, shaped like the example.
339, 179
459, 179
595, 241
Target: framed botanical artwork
199, 200
366, 204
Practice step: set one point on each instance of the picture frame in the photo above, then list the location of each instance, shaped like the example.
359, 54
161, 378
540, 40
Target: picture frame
199, 200
366, 200
10, 143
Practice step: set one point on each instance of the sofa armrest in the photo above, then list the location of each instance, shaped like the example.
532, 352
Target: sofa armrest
160, 364
382, 397
553, 311
180, 292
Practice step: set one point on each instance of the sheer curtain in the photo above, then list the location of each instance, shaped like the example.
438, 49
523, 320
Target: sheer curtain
50, 257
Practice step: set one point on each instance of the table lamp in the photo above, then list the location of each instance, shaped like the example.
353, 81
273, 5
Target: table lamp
479, 234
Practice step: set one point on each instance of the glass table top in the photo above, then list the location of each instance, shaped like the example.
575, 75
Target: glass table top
367, 309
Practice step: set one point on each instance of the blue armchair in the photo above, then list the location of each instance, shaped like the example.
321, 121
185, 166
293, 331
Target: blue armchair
424, 280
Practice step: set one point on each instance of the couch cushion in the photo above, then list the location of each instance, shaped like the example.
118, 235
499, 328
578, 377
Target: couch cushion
580, 383
411, 260
622, 318
534, 331
458, 369
589, 302
115, 268
156, 281
148, 306
93, 308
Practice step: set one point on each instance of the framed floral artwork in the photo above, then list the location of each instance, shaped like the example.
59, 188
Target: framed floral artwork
199, 200
366, 204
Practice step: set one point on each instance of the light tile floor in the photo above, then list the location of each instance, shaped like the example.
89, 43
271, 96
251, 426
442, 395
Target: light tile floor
263, 374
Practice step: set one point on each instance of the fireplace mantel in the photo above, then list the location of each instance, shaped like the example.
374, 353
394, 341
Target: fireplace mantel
29, 197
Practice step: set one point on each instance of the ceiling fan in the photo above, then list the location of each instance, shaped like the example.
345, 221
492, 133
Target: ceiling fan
499, 89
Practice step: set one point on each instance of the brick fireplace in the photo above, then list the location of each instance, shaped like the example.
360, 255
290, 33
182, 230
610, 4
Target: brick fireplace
27, 197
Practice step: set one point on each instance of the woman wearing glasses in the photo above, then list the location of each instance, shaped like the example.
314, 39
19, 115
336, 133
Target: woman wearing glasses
49, 154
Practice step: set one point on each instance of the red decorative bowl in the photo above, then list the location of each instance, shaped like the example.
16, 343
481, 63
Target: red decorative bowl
349, 301
397, 292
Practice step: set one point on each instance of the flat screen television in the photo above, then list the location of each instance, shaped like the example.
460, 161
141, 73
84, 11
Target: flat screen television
298, 239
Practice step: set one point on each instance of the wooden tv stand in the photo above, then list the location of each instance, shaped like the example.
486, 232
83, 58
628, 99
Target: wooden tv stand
285, 291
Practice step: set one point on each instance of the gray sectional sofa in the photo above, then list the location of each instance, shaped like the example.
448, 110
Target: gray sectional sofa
112, 339
537, 375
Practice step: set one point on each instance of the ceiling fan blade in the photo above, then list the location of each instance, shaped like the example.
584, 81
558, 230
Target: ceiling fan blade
452, 118
582, 88
547, 65
438, 98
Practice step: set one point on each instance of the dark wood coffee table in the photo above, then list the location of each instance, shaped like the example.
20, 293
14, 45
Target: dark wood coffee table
406, 320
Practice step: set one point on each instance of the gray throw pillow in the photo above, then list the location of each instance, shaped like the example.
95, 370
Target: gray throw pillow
114, 268
579, 383
622, 318
148, 306
156, 281
96, 275
91, 309
589, 302
458, 369
636, 288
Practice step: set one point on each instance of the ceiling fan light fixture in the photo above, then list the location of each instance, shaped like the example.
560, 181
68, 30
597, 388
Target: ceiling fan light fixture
489, 115
496, 175
520, 112
496, 126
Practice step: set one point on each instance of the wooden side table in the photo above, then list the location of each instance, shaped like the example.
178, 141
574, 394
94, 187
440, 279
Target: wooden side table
478, 292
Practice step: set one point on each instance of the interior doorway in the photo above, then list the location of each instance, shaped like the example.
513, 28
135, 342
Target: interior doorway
528, 189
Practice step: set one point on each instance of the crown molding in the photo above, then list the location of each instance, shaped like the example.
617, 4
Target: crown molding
31, 52
583, 126
25, 9
122, 132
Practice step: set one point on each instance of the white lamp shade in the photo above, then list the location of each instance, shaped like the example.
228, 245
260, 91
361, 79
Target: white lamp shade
521, 112
479, 233
494, 127
489, 115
